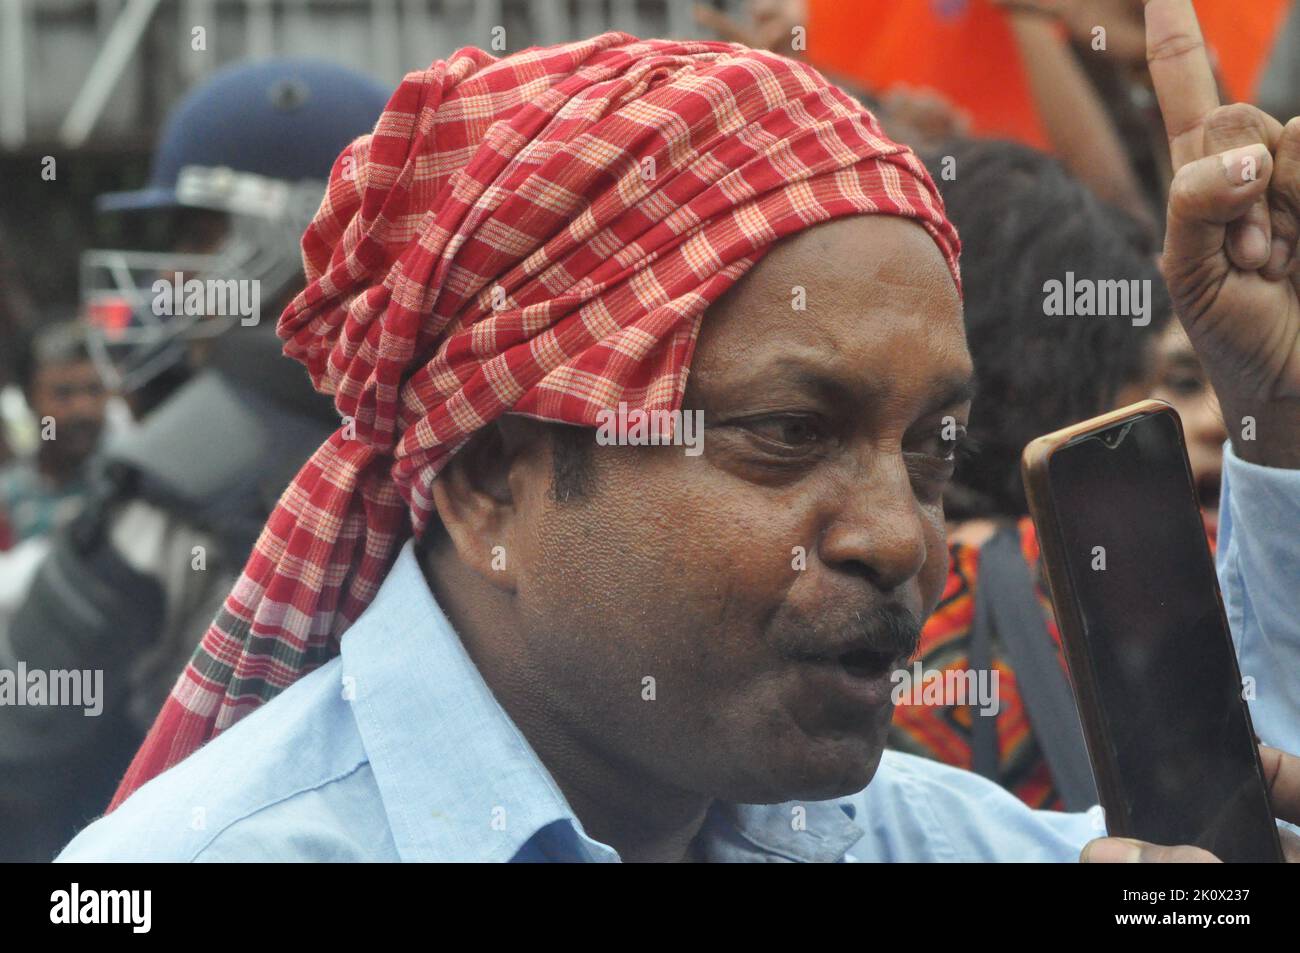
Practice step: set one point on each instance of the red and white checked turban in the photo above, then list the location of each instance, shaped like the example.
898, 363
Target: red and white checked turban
537, 234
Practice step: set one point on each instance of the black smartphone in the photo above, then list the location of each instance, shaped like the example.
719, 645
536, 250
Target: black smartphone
1147, 642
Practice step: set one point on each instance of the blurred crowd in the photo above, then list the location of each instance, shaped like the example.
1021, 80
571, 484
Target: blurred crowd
147, 433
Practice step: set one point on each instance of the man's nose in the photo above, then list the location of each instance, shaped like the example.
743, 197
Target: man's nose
878, 529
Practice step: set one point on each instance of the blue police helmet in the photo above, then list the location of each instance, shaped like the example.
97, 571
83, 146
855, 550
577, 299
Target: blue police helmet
284, 119
254, 144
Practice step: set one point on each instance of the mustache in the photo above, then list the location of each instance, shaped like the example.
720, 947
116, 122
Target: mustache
889, 630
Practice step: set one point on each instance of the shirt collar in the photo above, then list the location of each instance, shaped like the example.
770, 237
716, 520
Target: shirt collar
806, 832
458, 778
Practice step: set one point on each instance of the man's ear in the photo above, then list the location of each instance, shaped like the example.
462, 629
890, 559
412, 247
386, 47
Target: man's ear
475, 496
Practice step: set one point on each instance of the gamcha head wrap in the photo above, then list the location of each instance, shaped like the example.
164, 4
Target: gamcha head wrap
538, 234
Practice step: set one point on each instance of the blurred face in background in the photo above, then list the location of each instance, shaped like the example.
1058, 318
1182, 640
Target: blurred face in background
1180, 380
197, 231
72, 394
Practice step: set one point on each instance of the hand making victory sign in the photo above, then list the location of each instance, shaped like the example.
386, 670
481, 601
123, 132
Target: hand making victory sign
1231, 263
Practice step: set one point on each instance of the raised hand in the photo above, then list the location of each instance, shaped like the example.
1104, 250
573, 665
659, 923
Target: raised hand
1230, 249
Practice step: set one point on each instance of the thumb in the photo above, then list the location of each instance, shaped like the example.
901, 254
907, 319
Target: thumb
1125, 850
1282, 778
1206, 195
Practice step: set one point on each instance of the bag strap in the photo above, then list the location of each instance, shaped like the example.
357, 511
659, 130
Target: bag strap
1006, 589
984, 729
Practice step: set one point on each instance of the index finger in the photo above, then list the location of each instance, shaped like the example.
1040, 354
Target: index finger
1180, 71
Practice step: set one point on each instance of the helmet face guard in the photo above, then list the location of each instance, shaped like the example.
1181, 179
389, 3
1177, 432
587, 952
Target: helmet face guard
145, 308
254, 142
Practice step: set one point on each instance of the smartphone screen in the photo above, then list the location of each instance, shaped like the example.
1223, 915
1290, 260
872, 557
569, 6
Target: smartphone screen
1179, 738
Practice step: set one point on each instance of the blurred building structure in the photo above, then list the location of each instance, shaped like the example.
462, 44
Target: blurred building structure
85, 84
73, 70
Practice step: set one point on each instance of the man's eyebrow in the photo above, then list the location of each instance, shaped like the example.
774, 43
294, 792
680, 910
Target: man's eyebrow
950, 391
804, 373
816, 377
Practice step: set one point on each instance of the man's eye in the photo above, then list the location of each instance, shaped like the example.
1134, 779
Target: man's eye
946, 444
797, 431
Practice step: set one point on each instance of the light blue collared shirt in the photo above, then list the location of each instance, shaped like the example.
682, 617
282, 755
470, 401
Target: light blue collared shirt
397, 750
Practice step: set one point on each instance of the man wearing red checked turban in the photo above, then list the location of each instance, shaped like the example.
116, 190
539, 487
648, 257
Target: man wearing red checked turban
472, 631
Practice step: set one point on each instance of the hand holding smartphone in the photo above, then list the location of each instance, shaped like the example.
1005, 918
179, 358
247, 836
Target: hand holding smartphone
1150, 654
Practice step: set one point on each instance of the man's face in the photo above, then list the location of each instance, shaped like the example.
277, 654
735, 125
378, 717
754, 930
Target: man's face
770, 585
73, 395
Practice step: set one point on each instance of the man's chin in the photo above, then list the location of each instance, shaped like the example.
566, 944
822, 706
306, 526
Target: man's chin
825, 770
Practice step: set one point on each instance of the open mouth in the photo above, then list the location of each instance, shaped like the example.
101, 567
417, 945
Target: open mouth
855, 681
867, 663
